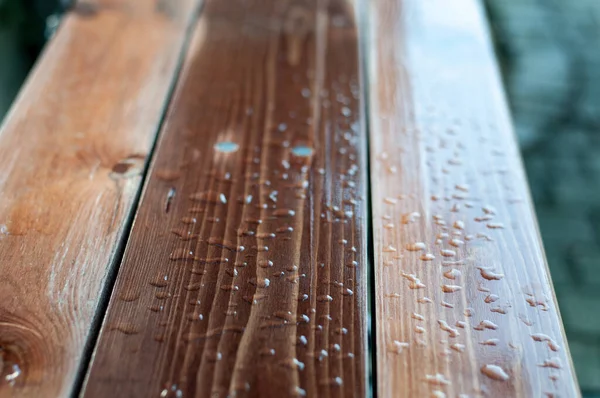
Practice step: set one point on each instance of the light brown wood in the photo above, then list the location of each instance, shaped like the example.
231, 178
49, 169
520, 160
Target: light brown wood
71, 153
464, 301
245, 273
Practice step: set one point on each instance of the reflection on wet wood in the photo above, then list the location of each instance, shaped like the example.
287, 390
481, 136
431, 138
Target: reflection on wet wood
464, 301
245, 271
71, 153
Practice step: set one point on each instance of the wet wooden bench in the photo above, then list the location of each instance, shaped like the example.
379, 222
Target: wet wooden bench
209, 198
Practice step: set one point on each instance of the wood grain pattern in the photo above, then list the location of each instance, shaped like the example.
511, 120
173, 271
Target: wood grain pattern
71, 153
464, 301
245, 272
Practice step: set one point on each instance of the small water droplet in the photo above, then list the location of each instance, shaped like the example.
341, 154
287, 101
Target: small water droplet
553, 363
491, 298
260, 282
488, 274
125, 328
544, 337
485, 324
492, 342
495, 225
437, 379
447, 328
427, 257
182, 254
447, 253
459, 225
458, 347
452, 274
451, 288
417, 246
397, 347
418, 317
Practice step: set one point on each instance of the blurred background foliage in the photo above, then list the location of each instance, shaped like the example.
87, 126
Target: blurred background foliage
548, 51
24, 27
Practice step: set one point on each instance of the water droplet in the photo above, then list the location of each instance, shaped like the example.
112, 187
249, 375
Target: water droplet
293, 364
209, 196
451, 288
284, 213
492, 342
495, 225
456, 242
260, 282
390, 249
488, 274
161, 282
410, 217
417, 246
415, 283
12, 377
267, 352
397, 347
427, 257
299, 392
458, 347
447, 328
437, 379
452, 274
543, 337
459, 225
230, 288
446, 304
226, 146
182, 254
494, 372
418, 317
162, 295
324, 297
302, 151
488, 209
447, 253
129, 296
491, 298
125, 328
553, 363
485, 324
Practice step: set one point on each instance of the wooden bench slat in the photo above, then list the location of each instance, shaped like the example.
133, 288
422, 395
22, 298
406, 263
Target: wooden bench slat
71, 153
246, 267
464, 300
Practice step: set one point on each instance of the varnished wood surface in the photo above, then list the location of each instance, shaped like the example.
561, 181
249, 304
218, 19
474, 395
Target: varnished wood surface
71, 153
464, 301
245, 272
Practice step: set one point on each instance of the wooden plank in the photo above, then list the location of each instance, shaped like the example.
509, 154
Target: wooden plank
464, 300
245, 271
71, 153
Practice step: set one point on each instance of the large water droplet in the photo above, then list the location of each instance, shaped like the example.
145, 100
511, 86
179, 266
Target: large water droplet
302, 151
494, 372
226, 146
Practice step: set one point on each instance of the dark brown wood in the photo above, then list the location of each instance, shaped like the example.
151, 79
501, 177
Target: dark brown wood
245, 271
464, 302
72, 150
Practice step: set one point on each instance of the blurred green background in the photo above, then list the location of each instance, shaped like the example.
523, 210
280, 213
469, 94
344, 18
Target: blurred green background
549, 53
